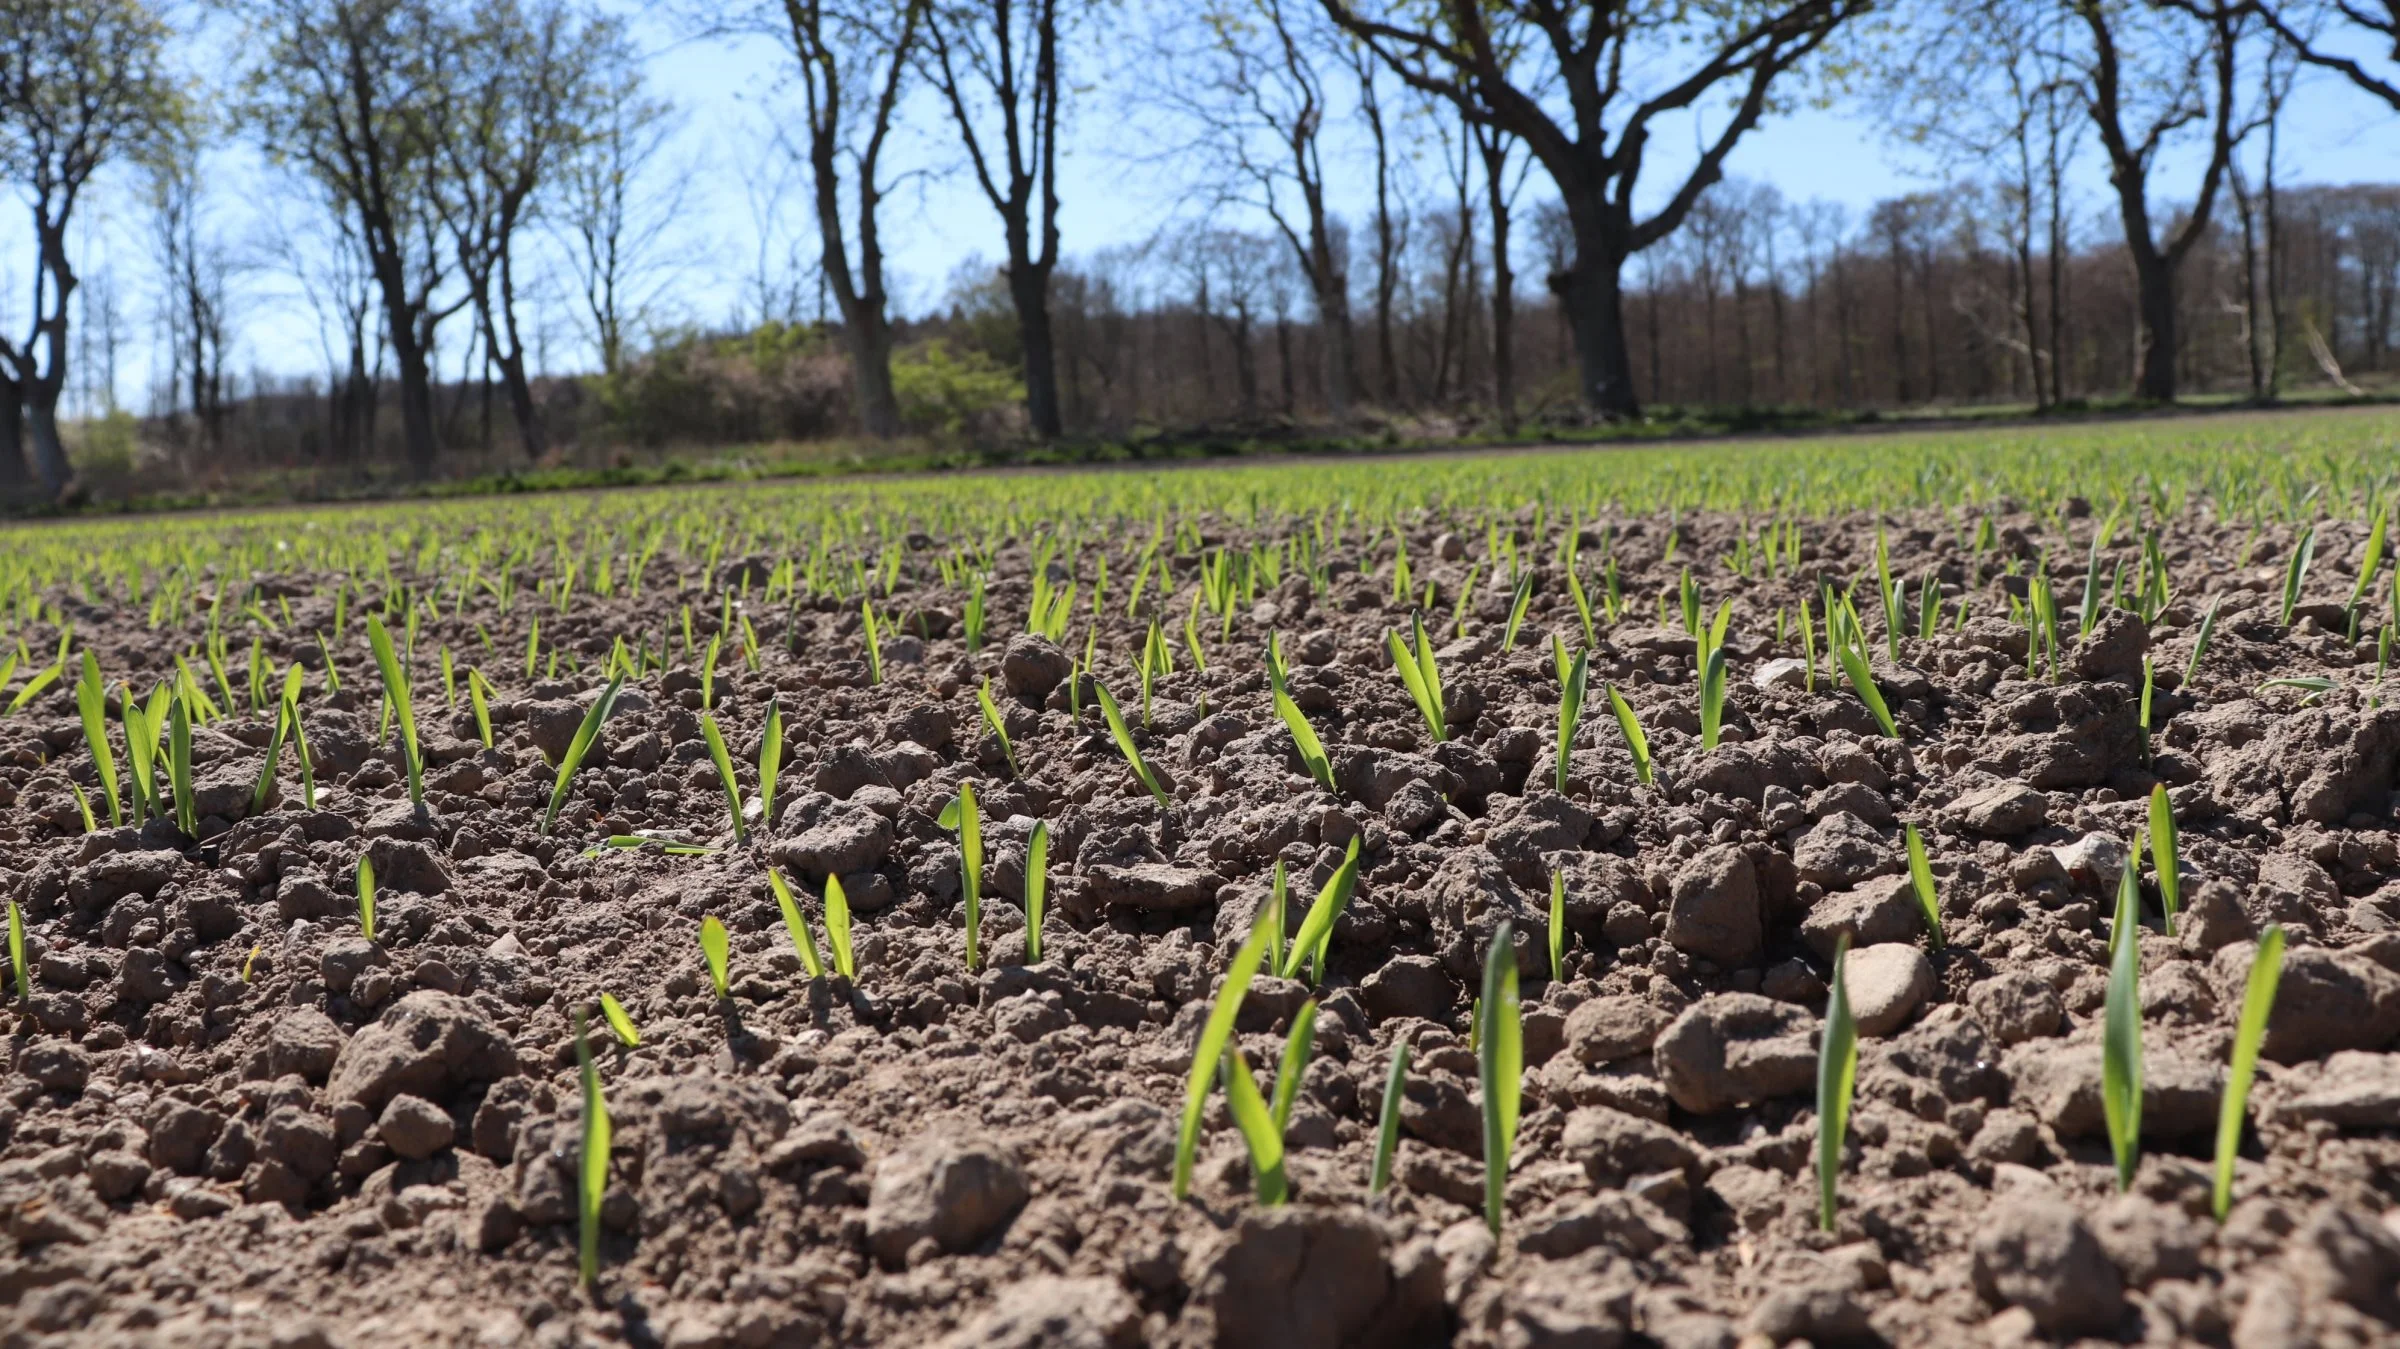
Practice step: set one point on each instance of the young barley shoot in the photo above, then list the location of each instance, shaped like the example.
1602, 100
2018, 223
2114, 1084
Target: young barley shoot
1123, 735
1636, 743
619, 1021
724, 761
91, 700
1920, 876
591, 1176
1256, 1120
1574, 686
1215, 1035
1500, 1063
366, 897
179, 768
2164, 856
1558, 926
16, 953
395, 688
837, 928
2258, 999
716, 951
2121, 1033
1387, 1121
770, 762
999, 730
1712, 698
1316, 930
585, 735
1837, 1074
804, 942
1293, 1066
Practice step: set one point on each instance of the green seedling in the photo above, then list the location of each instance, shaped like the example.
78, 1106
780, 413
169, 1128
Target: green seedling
1304, 736
963, 815
83, 806
250, 961
804, 942
724, 761
1037, 889
1837, 1074
613, 1012
716, 951
395, 689
1123, 735
1574, 685
1500, 1064
2258, 999
866, 610
179, 768
585, 735
2163, 855
1636, 743
1316, 930
1294, 1065
1274, 917
1387, 1121
1256, 1121
992, 723
1853, 661
266, 772
1712, 698
42, 679
1517, 605
2149, 685
591, 1177
2295, 573
708, 673
479, 700
770, 762
366, 897
2121, 1033
91, 700
1920, 875
1558, 926
1215, 1035
1421, 676
16, 953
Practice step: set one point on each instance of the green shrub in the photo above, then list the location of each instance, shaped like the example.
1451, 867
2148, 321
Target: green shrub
963, 395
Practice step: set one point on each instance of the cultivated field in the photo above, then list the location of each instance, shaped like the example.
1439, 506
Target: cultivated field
1831, 891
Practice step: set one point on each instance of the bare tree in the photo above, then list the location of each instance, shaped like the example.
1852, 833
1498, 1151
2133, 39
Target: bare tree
196, 268
352, 92
853, 64
996, 64
528, 84
1391, 214
1501, 62
2147, 72
82, 83
614, 223
2305, 25
1500, 186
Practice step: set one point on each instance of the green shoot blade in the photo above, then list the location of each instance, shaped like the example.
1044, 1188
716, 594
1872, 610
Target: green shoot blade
179, 768
613, 1012
395, 688
1574, 686
770, 762
724, 761
1133, 754
837, 927
1837, 1074
970, 855
1387, 1121
2163, 855
795, 924
1214, 1036
1257, 1122
1636, 743
1558, 925
716, 950
1712, 698
1920, 875
1294, 1065
591, 1178
1862, 682
91, 700
1304, 736
1500, 1064
366, 897
2121, 1035
1037, 888
1316, 930
581, 745
16, 953
991, 721
2258, 999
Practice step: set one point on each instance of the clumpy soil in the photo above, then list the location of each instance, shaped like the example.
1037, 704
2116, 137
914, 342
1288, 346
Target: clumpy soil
335, 1141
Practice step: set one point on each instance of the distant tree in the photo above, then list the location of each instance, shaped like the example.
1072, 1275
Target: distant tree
529, 83
854, 59
355, 94
1568, 80
83, 83
614, 222
196, 269
998, 66
2313, 27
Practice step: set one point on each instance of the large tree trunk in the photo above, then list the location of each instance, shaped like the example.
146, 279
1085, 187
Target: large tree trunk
1504, 308
416, 403
49, 451
1591, 294
1029, 288
521, 405
870, 341
14, 479
2154, 285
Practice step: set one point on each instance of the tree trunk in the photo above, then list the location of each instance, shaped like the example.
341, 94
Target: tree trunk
870, 341
49, 451
2154, 288
1504, 303
1029, 288
14, 478
1591, 294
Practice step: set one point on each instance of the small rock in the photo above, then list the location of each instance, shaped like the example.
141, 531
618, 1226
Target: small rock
1714, 913
2036, 1253
1885, 984
1053, 1313
1784, 673
2016, 1006
942, 1186
2326, 1000
1881, 910
1606, 1029
415, 1128
427, 1045
1841, 850
2113, 649
2002, 810
304, 1042
1032, 666
1733, 1048
1410, 986
2095, 860
56, 1065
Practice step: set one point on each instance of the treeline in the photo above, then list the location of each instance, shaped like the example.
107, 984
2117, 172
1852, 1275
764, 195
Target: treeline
469, 177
